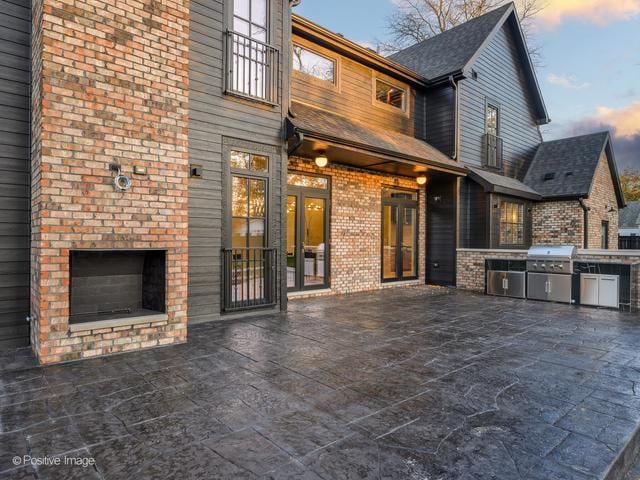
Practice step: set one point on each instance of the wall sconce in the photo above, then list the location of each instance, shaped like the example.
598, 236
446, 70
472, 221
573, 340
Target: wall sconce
421, 180
322, 160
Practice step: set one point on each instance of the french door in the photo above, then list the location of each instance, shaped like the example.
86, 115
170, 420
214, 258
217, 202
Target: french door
307, 232
399, 234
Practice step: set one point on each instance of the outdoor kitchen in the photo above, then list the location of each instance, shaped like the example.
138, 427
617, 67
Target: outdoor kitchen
564, 274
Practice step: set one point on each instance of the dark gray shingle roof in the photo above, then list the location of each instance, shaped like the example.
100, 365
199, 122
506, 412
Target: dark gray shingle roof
449, 51
630, 215
312, 121
493, 182
566, 167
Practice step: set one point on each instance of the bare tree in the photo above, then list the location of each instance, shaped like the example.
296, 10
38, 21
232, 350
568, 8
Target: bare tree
417, 20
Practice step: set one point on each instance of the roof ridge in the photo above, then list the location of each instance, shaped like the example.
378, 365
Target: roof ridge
582, 135
453, 29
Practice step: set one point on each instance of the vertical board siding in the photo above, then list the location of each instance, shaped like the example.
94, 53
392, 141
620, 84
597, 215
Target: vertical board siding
440, 119
441, 232
214, 116
500, 80
15, 65
474, 222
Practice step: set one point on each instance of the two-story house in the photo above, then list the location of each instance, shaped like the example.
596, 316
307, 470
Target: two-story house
167, 162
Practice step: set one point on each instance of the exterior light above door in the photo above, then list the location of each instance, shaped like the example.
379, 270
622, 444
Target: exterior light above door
421, 180
322, 160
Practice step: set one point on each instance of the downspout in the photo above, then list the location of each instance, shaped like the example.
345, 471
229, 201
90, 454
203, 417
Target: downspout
585, 209
456, 119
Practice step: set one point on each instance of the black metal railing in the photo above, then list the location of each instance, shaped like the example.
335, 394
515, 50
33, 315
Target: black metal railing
492, 151
629, 243
252, 68
250, 278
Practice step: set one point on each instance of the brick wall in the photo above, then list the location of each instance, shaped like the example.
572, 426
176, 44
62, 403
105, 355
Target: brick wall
603, 205
356, 224
110, 85
562, 222
558, 223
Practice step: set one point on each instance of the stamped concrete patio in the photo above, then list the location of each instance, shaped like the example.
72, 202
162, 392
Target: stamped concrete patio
398, 384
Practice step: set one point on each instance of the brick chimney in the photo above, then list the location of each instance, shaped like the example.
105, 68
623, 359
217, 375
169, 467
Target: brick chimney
110, 87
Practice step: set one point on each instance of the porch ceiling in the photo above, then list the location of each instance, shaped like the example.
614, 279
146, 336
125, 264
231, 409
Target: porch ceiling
352, 143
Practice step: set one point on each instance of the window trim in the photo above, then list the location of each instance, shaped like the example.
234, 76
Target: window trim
405, 110
524, 205
332, 58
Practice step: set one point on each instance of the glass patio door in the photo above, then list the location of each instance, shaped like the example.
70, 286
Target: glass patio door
307, 232
399, 235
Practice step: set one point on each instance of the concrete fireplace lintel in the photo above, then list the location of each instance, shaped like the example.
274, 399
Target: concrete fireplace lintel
117, 322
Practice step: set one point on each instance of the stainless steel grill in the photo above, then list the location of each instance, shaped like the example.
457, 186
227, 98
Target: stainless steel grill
551, 259
549, 272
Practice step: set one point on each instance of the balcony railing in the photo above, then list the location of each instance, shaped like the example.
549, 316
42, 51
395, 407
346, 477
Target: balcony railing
492, 151
629, 243
250, 278
252, 68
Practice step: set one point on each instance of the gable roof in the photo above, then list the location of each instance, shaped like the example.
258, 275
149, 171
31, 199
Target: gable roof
454, 51
630, 215
493, 182
566, 168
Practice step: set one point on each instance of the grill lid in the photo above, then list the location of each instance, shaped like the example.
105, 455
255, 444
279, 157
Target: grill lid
552, 251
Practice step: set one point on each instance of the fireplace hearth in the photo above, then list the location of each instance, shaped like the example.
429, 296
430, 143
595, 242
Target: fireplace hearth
114, 284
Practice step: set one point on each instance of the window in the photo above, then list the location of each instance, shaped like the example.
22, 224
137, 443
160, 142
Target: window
252, 64
250, 18
390, 94
604, 235
511, 223
492, 120
314, 64
308, 181
249, 161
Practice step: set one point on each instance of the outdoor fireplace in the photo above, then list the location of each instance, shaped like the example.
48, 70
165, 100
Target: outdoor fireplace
107, 285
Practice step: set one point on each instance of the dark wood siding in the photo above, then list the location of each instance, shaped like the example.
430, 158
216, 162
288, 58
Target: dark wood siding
214, 116
501, 81
441, 230
352, 96
440, 118
474, 221
15, 25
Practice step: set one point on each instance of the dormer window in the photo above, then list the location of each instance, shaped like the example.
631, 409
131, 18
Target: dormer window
390, 94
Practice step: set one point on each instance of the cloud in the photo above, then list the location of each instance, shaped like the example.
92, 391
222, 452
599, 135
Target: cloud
567, 81
599, 12
625, 121
624, 124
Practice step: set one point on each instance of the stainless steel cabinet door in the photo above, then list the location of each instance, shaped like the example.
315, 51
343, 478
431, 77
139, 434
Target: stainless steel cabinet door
515, 284
537, 286
559, 288
608, 291
496, 282
589, 289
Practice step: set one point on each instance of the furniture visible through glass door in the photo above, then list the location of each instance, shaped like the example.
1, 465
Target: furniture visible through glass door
307, 232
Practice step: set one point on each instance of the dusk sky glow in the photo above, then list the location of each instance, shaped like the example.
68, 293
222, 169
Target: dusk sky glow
590, 61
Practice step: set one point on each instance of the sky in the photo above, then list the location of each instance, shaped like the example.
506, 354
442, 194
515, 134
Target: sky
589, 69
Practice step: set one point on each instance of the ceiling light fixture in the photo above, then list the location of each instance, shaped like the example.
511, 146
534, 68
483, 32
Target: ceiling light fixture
421, 180
322, 160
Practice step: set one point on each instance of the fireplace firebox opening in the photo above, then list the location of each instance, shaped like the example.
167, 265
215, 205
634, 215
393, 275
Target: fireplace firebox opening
116, 284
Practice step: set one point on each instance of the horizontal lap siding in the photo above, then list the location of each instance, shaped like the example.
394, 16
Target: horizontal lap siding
500, 79
214, 116
353, 97
15, 25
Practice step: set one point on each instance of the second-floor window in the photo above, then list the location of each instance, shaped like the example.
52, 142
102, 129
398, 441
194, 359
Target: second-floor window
492, 140
314, 64
390, 94
250, 18
252, 64
492, 120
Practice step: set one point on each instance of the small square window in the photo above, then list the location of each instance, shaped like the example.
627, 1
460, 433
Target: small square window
390, 94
